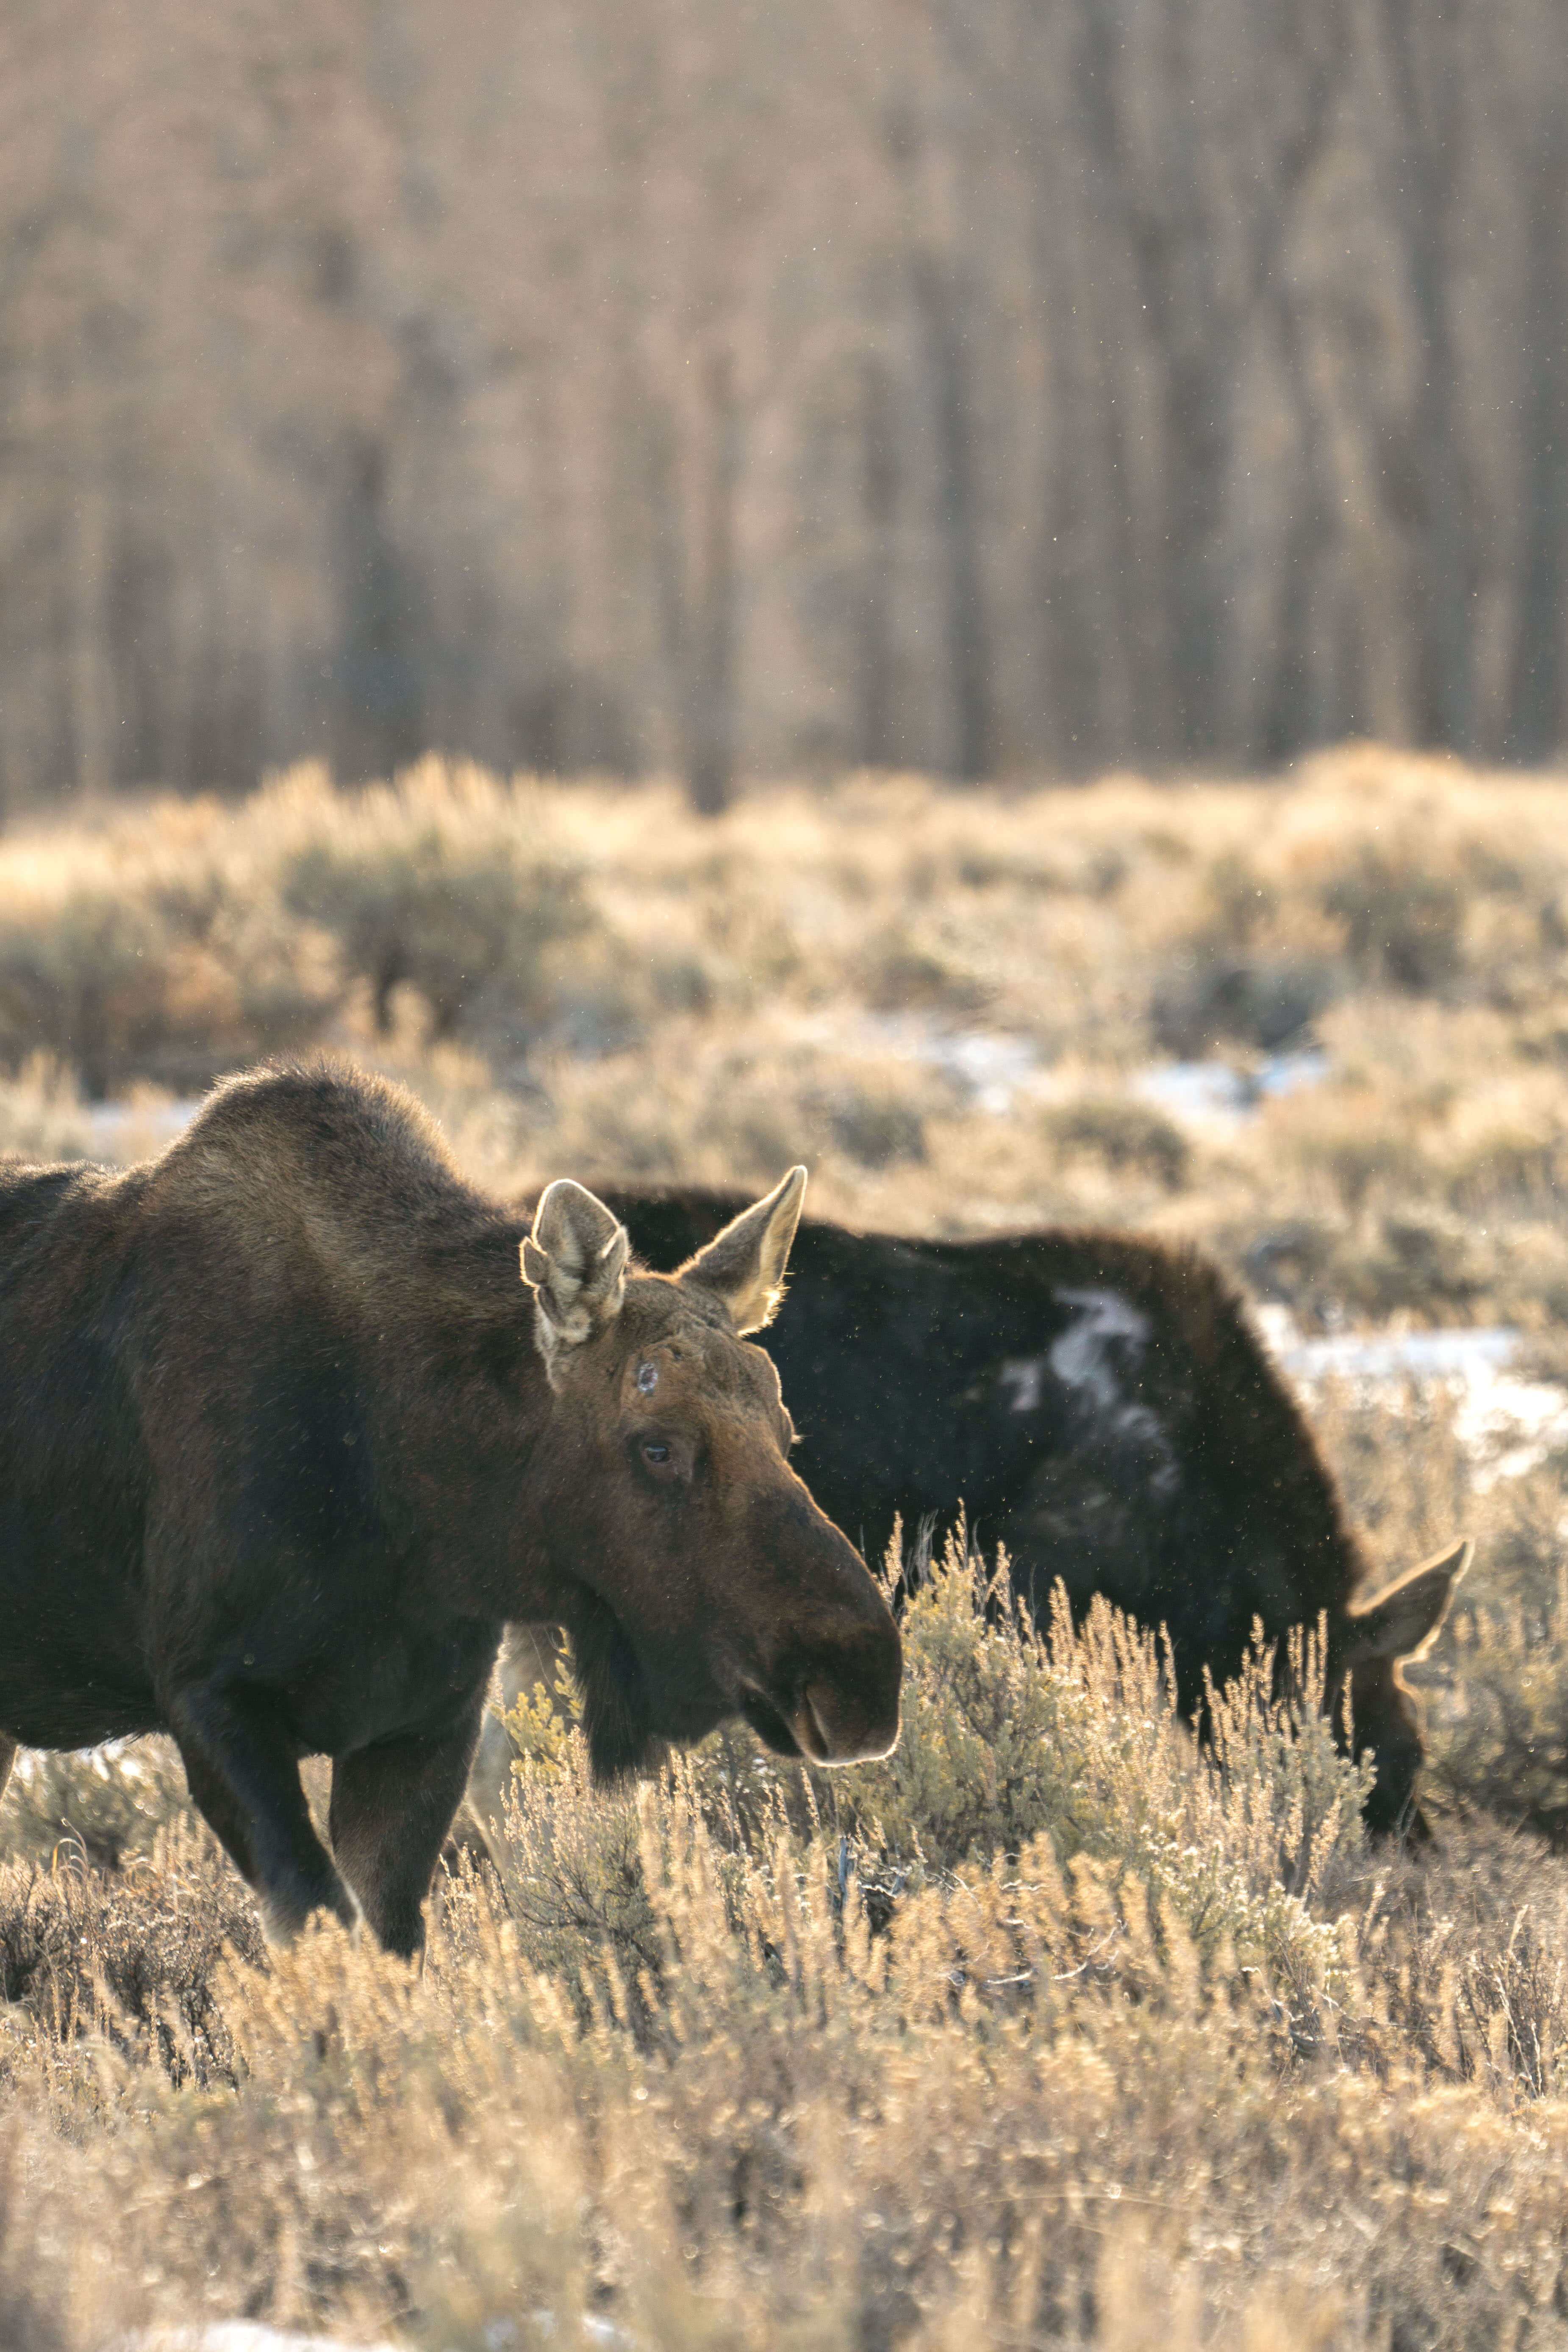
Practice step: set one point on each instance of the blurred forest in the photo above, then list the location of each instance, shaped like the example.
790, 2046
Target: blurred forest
722, 387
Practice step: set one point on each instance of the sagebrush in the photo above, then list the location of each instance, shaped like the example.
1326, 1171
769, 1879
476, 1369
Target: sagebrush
1053, 2023
1055, 2029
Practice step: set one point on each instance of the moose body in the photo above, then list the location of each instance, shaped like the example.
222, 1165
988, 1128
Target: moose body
1100, 1406
285, 1442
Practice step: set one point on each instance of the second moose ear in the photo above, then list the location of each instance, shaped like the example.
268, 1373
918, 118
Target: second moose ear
574, 1261
745, 1264
1402, 1620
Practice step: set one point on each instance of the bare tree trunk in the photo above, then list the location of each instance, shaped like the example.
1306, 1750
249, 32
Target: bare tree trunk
381, 646
940, 302
90, 686
1540, 707
874, 740
1202, 257
1425, 162
712, 629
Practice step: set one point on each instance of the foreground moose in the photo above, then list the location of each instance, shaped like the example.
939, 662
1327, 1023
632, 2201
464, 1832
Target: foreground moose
1103, 1408
284, 1442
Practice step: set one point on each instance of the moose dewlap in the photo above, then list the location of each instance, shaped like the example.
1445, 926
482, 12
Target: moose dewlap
292, 1421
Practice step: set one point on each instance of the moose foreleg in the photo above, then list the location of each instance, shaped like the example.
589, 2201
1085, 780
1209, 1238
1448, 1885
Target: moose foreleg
391, 1806
244, 1778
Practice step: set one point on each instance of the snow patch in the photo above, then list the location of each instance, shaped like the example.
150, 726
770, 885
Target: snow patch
1082, 1358
153, 1123
1020, 1378
990, 1065
236, 2336
1215, 1093
1505, 1423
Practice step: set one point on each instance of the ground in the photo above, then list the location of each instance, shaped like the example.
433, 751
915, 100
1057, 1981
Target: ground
1047, 2031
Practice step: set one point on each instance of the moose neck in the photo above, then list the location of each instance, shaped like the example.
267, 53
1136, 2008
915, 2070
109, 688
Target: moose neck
464, 1417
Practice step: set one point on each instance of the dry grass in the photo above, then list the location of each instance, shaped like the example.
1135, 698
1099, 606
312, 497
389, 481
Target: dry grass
1049, 2031
587, 976
1053, 2030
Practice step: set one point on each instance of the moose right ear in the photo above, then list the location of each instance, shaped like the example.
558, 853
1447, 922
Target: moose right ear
574, 1261
1403, 1619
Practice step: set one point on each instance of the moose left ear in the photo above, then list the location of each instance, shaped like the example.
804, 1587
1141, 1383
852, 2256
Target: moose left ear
745, 1264
574, 1261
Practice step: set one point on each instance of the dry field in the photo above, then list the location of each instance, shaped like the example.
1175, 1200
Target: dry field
1047, 2031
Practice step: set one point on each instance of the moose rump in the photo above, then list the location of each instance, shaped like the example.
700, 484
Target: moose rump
292, 1421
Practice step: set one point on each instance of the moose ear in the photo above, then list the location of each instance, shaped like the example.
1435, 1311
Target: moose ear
574, 1261
1403, 1620
745, 1264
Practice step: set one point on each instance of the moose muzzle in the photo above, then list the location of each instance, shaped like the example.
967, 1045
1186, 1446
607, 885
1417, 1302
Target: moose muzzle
837, 1702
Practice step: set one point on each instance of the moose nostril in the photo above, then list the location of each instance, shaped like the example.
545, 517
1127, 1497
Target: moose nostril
832, 1731
811, 1735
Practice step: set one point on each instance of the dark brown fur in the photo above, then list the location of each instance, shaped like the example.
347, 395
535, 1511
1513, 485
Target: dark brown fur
1177, 1475
284, 1441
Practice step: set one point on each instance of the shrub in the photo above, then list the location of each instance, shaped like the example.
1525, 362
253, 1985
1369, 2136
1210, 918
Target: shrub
1416, 1259
259, 984
1041, 1748
686, 1103
1122, 1134
1353, 1136
1544, 1040
1252, 1003
909, 971
1071, 1736
733, 2063
105, 1803
1504, 1161
83, 976
79, 1953
1499, 1679
41, 1114
876, 1128
465, 923
131, 972
1404, 919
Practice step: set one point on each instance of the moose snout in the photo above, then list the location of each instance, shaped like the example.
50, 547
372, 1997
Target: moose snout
827, 1669
839, 1722
839, 1701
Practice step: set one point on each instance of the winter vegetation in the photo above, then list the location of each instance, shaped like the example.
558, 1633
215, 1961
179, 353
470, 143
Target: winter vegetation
955, 1005
640, 403
1052, 2029
743, 390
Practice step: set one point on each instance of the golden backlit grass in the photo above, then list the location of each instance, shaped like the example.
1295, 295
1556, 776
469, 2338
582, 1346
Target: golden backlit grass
587, 977
1050, 2032
724, 2060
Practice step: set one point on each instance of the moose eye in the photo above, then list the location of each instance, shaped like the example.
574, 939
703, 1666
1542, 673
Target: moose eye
670, 1461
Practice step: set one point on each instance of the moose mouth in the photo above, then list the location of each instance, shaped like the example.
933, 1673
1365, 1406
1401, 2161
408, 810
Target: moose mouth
797, 1734
809, 1728
630, 1707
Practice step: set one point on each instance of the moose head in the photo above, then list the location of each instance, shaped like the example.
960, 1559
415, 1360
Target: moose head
1369, 1646
698, 1578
